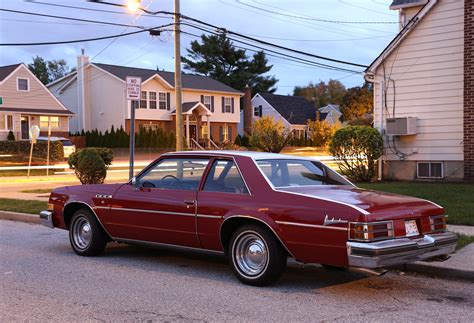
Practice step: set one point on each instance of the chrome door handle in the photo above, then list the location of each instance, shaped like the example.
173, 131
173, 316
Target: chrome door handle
189, 202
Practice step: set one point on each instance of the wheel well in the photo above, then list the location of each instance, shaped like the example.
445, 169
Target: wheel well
230, 225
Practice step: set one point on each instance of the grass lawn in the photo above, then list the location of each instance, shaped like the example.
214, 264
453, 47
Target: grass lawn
33, 172
23, 206
38, 190
457, 199
464, 240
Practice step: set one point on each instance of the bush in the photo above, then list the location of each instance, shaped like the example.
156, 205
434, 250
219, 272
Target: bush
357, 148
21, 150
321, 132
90, 164
269, 135
11, 136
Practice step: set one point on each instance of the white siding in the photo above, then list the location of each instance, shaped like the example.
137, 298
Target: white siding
427, 71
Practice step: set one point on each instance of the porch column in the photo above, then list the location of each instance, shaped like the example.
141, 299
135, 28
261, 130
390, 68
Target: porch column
187, 132
209, 131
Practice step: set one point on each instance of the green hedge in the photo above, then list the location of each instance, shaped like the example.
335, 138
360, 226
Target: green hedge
21, 150
120, 139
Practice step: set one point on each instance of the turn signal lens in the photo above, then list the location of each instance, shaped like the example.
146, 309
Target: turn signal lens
370, 231
438, 223
50, 207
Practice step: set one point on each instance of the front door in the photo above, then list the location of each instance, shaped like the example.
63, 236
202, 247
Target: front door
161, 207
25, 128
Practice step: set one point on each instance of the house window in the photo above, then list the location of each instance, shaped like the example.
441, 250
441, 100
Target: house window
135, 104
53, 121
207, 102
224, 133
23, 84
143, 100
152, 127
257, 111
6, 122
152, 97
162, 100
430, 170
228, 105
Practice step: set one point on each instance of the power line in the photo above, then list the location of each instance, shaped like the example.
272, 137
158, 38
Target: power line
70, 18
84, 40
313, 18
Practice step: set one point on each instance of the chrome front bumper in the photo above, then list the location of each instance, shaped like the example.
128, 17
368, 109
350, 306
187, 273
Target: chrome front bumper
46, 218
400, 251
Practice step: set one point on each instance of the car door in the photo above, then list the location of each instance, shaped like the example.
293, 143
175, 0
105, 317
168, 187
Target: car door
161, 206
224, 191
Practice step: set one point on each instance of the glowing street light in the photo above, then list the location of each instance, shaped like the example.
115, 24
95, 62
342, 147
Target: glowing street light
133, 5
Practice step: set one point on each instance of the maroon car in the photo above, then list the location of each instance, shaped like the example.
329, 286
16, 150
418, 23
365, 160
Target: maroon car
257, 208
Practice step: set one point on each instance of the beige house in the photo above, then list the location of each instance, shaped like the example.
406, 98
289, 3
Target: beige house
423, 92
25, 102
96, 93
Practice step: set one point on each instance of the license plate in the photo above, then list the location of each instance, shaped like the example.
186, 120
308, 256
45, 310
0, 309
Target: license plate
411, 228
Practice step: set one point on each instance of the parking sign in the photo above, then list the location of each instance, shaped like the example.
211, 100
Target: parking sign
133, 87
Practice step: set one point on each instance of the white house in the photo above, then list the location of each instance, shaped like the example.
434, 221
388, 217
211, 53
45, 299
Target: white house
293, 111
424, 92
96, 93
330, 113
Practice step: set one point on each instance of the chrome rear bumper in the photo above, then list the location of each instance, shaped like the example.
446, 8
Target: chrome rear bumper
46, 218
400, 251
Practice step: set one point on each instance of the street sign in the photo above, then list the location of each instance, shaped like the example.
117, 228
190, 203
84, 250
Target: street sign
134, 85
34, 133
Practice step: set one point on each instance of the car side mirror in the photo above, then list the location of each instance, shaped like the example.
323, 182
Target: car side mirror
134, 183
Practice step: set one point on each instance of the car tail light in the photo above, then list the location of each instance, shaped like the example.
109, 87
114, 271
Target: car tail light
438, 223
370, 231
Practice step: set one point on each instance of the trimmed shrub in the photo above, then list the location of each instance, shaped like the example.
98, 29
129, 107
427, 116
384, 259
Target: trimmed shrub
357, 148
11, 136
269, 135
21, 150
89, 164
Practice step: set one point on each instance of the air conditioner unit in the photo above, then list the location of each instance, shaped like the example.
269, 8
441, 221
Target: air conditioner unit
401, 126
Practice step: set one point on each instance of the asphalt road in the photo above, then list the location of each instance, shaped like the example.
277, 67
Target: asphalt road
43, 280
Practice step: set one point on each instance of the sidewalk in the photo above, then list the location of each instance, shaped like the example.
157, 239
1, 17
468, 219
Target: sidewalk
458, 267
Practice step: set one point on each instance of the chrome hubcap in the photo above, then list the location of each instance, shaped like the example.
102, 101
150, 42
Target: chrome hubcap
250, 254
82, 233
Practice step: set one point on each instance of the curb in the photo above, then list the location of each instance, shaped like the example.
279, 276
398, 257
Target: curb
23, 217
426, 269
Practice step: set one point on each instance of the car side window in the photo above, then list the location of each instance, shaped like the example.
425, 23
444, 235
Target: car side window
174, 173
225, 177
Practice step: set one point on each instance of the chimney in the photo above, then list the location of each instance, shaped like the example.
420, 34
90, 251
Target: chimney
83, 113
248, 110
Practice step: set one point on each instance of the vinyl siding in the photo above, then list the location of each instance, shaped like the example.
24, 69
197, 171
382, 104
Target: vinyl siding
427, 69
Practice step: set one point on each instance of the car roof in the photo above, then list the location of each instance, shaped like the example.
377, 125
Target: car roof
256, 155
51, 138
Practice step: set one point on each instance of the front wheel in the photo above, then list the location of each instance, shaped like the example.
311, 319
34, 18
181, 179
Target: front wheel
256, 257
85, 234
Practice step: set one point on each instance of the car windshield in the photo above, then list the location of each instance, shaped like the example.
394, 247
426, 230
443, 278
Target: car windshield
294, 172
66, 142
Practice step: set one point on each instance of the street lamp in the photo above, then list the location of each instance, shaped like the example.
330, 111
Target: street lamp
133, 5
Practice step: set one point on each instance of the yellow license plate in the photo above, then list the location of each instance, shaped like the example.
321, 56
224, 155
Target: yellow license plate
411, 228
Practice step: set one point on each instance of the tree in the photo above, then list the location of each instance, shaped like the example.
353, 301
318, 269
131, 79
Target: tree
48, 71
357, 148
321, 132
88, 166
215, 56
269, 135
358, 102
321, 93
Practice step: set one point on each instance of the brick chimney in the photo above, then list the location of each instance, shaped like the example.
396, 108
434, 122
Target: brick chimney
468, 91
248, 111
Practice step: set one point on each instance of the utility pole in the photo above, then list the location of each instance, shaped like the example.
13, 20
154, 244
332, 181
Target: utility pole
177, 77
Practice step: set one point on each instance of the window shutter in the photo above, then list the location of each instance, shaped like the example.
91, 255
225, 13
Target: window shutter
212, 103
221, 134
259, 110
168, 99
229, 129
223, 105
202, 99
232, 105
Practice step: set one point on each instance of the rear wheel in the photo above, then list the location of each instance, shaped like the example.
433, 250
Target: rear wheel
256, 257
85, 234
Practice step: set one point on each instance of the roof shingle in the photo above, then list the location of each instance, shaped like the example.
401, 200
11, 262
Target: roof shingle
7, 70
295, 109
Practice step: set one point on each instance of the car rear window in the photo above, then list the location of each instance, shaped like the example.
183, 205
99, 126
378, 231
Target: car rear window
291, 172
66, 143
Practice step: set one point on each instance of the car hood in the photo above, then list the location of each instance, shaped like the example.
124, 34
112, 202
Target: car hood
375, 205
94, 188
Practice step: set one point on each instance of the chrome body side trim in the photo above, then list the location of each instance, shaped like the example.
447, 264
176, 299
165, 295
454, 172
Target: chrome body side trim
254, 218
159, 244
209, 216
400, 251
46, 218
151, 211
310, 225
93, 211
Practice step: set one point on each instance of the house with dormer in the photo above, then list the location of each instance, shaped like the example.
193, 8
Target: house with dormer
97, 94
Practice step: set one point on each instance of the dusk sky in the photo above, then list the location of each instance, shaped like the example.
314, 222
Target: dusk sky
263, 19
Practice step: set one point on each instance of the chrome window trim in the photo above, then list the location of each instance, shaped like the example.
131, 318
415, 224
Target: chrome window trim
311, 225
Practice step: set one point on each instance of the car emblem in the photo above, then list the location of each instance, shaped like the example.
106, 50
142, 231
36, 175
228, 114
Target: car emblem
328, 221
103, 196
